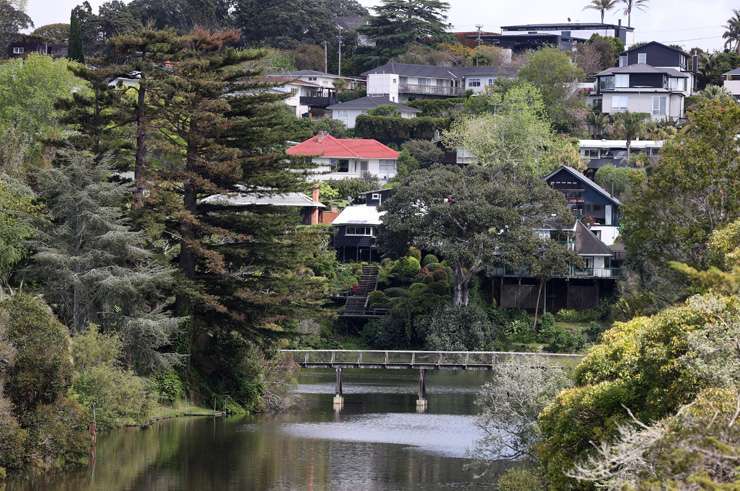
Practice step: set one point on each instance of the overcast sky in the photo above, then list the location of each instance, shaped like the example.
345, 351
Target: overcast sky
686, 22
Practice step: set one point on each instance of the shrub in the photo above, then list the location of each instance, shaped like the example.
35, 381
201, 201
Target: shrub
429, 260
415, 253
406, 269
13, 438
559, 339
169, 386
43, 368
458, 328
396, 131
378, 299
57, 435
425, 152
519, 479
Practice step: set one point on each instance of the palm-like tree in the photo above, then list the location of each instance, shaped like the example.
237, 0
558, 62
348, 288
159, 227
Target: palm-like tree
631, 127
732, 32
630, 5
601, 5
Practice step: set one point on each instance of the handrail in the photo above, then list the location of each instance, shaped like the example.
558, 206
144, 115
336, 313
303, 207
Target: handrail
442, 353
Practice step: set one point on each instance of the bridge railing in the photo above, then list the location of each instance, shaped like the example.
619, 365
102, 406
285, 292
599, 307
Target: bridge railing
424, 359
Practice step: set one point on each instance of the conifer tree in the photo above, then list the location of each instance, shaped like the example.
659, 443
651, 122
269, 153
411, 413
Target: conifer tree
93, 269
242, 268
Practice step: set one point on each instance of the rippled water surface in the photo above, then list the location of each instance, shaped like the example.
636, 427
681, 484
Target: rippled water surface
377, 442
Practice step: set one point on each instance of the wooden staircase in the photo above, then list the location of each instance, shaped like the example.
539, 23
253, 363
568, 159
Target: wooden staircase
356, 304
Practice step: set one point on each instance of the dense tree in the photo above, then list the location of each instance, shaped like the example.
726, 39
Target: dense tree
553, 73
620, 181
239, 269
55, 33
182, 15
396, 24
713, 65
17, 213
689, 193
458, 328
425, 152
473, 217
83, 32
511, 129
93, 269
116, 18
12, 21
599, 53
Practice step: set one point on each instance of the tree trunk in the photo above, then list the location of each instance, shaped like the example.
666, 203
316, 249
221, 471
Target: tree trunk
187, 235
462, 286
141, 133
629, 151
537, 306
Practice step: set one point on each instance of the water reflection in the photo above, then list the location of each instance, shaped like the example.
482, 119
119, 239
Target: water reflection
377, 442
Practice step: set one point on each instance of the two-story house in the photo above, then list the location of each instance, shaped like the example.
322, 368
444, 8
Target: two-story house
652, 78
347, 158
356, 228
348, 112
593, 238
402, 82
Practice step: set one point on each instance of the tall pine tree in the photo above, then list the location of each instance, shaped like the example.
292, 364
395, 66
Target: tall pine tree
243, 268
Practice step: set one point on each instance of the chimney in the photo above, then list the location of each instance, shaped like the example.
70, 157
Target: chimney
315, 212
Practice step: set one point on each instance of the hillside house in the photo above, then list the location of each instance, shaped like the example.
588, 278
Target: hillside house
403, 82
356, 228
598, 153
731, 82
311, 210
348, 112
24, 45
651, 78
347, 158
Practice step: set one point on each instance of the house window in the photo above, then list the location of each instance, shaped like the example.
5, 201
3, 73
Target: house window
623, 60
311, 79
375, 196
18, 50
490, 81
622, 80
474, 82
363, 165
620, 103
360, 231
660, 103
387, 167
606, 83
340, 165
642, 58
425, 81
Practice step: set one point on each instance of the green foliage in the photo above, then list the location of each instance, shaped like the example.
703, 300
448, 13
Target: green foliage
458, 328
620, 181
511, 129
17, 212
552, 72
636, 366
31, 87
13, 439
425, 152
429, 259
558, 338
405, 269
54, 33
351, 189
713, 65
12, 21
42, 369
57, 436
169, 386
439, 108
693, 191
396, 131
388, 110
407, 164
518, 479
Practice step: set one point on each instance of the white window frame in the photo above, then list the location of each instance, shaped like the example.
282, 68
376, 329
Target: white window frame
18, 50
474, 82
620, 103
662, 105
621, 80
642, 58
359, 231
375, 196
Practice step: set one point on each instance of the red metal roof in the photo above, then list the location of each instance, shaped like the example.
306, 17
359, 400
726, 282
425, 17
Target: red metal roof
323, 145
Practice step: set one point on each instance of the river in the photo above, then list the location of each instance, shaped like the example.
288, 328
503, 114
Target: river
377, 442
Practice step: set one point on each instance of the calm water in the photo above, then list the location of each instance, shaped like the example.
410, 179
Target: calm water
377, 442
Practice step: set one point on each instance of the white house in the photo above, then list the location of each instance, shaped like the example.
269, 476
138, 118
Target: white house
731, 82
326, 80
347, 112
347, 158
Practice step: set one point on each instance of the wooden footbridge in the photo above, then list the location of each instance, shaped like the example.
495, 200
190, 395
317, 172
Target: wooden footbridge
422, 361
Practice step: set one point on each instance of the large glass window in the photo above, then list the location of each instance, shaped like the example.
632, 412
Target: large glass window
660, 105
622, 80
360, 231
387, 167
606, 83
340, 165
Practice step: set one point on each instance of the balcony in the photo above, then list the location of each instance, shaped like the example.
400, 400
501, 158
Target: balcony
318, 101
607, 273
435, 90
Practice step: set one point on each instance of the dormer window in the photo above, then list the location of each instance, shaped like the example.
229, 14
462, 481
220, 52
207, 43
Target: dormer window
642, 58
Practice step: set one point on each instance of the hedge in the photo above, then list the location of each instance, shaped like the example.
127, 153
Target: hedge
396, 131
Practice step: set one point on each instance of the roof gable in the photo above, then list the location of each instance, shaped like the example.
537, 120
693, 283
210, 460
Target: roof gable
655, 43
325, 145
587, 244
588, 182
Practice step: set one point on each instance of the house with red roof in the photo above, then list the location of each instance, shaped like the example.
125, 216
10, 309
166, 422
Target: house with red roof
347, 158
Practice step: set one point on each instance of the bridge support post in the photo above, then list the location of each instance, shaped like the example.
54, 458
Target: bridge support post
338, 394
421, 401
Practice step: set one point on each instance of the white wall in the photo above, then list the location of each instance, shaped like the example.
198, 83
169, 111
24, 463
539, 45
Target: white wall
608, 234
383, 84
323, 170
485, 81
733, 86
643, 103
294, 100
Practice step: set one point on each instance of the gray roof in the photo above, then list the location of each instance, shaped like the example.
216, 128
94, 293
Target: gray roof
642, 68
371, 102
293, 200
587, 244
431, 71
736, 71
657, 44
309, 73
570, 26
587, 181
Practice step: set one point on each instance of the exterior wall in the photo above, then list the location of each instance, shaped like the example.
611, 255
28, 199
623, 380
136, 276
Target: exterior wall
294, 100
642, 102
659, 56
607, 234
383, 84
485, 81
579, 294
733, 86
323, 170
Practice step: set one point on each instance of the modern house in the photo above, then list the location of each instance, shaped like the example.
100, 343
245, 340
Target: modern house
593, 238
348, 112
356, 228
312, 211
731, 82
327, 80
310, 91
347, 158
651, 78
403, 82
598, 153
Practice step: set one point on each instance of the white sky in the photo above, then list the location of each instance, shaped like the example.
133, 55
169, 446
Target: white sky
686, 22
